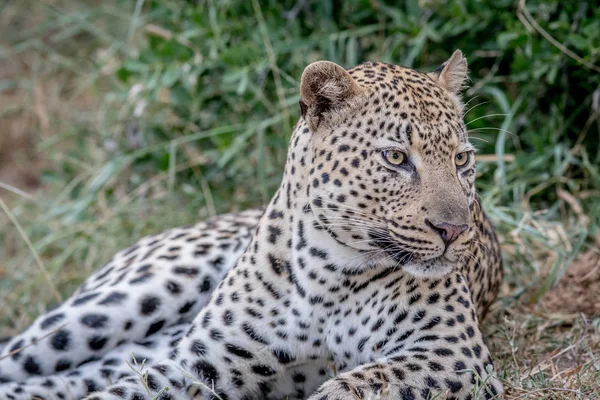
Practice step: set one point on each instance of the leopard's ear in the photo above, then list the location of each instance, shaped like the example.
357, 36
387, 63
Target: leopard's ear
453, 74
325, 89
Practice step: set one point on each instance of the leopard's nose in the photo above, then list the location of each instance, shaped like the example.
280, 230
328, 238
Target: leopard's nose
448, 232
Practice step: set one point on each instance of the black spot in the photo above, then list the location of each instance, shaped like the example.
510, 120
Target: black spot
62, 365
111, 362
114, 298
142, 278
399, 374
91, 386
187, 307
97, 342
433, 298
470, 331
31, 366
207, 372
466, 351
322, 254
263, 370
413, 367
155, 327
283, 356
377, 325
436, 367
407, 394
361, 343
274, 233
419, 315
60, 340
238, 351
173, 287
189, 271
51, 320
216, 335
85, 299
49, 383
454, 386
237, 381
198, 348
228, 317
117, 391
217, 263
432, 323
248, 330
149, 305
459, 366
443, 352
153, 383
16, 347
94, 320
205, 286
432, 383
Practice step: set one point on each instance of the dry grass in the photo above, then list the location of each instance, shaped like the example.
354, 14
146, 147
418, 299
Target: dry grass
550, 349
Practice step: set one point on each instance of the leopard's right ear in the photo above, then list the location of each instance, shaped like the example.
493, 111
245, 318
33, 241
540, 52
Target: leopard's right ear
325, 89
453, 74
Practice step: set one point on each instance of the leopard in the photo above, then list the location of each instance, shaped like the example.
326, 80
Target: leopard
366, 276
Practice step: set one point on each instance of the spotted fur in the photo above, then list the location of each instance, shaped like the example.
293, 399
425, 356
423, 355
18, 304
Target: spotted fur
363, 279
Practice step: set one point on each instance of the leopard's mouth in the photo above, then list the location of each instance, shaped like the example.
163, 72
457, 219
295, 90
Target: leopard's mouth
415, 263
400, 254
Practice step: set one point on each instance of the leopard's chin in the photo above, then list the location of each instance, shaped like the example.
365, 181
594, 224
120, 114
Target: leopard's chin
434, 268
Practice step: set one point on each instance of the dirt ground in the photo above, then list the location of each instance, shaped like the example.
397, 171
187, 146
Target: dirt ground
578, 291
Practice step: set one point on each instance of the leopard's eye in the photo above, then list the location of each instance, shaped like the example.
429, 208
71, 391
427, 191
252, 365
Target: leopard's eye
394, 157
461, 159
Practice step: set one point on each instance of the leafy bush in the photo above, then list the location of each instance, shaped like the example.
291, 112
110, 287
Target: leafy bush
234, 66
222, 78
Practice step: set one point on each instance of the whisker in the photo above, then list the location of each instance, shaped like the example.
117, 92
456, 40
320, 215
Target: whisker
352, 224
474, 98
485, 116
491, 129
475, 106
343, 205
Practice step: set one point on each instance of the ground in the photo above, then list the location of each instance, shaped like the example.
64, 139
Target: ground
546, 343
550, 349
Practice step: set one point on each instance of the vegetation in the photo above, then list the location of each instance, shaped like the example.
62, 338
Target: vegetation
149, 114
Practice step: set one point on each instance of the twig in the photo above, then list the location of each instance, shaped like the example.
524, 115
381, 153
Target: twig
36, 256
33, 343
527, 19
553, 389
272, 61
575, 206
293, 13
134, 20
493, 158
168, 35
16, 191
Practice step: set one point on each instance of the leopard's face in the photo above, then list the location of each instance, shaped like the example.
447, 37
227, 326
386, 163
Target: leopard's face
392, 175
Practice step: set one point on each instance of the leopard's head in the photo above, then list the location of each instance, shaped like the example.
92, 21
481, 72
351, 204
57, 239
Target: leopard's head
392, 171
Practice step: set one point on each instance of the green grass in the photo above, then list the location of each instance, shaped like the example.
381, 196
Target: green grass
136, 116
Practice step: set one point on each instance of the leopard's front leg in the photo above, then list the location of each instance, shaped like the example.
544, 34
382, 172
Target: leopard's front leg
413, 376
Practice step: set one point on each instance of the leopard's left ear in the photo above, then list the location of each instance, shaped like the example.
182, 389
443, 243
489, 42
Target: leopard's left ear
326, 90
453, 74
